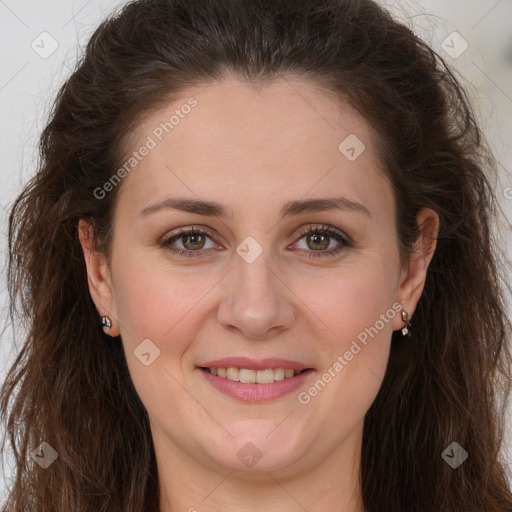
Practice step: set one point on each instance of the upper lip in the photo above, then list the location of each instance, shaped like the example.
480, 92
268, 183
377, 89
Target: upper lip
253, 364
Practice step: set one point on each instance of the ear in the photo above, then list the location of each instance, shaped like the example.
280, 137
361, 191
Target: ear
98, 276
413, 277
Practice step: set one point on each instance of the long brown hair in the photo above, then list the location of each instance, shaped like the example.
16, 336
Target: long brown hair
448, 382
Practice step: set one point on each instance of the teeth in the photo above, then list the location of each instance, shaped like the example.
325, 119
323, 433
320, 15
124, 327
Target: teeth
245, 376
279, 374
233, 373
266, 376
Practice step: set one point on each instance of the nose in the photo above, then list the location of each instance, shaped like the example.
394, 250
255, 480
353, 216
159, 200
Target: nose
258, 303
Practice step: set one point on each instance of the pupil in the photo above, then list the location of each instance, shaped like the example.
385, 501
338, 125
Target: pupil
192, 238
316, 237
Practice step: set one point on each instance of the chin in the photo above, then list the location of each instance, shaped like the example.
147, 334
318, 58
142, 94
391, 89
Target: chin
260, 449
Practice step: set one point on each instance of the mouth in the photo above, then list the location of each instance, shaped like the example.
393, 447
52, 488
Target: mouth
255, 381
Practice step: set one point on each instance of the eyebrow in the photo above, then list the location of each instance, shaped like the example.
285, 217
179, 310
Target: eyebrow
290, 209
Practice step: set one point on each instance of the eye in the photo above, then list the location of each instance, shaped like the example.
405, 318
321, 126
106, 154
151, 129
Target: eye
192, 239
318, 238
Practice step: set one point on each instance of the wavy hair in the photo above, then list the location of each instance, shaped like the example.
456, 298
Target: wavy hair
70, 386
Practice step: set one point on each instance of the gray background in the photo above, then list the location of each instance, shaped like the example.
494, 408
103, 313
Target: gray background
29, 79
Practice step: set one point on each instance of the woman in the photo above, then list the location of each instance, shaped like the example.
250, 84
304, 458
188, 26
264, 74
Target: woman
258, 273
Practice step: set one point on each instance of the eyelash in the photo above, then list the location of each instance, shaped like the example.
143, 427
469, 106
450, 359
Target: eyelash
324, 229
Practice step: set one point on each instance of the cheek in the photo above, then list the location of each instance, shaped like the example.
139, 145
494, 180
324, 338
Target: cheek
153, 299
355, 318
158, 303
354, 313
348, 302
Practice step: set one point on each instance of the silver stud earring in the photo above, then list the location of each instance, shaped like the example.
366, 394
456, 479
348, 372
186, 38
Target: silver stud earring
106, 322
405, 318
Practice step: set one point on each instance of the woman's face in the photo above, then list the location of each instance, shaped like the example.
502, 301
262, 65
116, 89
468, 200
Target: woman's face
252, 170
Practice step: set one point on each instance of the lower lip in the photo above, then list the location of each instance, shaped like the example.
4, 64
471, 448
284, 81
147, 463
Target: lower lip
255, 393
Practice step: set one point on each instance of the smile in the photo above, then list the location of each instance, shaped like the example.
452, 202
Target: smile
246, 376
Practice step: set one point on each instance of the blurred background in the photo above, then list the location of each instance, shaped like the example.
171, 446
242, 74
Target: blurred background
41, 40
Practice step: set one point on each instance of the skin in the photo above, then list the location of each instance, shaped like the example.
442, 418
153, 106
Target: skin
252, 149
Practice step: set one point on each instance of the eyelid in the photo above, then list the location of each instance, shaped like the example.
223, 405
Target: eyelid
324, 228
188, 230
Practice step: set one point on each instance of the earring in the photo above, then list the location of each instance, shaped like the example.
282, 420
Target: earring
405, 318
106, 322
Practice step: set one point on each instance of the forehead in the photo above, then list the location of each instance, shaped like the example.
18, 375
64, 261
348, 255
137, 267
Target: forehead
233, 141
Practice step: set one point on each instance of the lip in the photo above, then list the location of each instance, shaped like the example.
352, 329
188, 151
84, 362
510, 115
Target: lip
253, 364
256, 393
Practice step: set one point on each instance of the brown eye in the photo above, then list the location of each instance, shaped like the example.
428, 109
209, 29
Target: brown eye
193, 242
318, 239
318, 242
